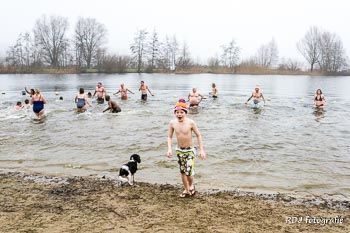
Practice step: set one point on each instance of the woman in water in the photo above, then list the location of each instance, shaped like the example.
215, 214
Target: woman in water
38, 102
82, 101
319, 100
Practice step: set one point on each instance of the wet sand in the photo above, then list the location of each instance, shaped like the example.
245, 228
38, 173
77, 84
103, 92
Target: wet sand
34, 203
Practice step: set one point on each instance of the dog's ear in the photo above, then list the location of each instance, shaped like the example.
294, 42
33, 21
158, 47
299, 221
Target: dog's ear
136, 158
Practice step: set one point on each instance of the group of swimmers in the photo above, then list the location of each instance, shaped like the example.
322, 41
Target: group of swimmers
38, 101
194, 98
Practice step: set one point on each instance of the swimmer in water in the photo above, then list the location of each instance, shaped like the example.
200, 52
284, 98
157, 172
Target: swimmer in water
123, 92
19, 106
113, 107
82, 101
256, 95
38, 102
101, 93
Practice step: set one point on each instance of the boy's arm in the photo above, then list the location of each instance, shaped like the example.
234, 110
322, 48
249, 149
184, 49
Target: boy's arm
170, 139
107, 109
202, 153
262, 97
116, 92
130, 91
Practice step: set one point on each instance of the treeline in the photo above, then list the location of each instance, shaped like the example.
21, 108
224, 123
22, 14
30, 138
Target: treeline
48, 48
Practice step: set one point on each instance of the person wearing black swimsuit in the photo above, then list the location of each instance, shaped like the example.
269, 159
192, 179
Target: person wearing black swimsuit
319, 100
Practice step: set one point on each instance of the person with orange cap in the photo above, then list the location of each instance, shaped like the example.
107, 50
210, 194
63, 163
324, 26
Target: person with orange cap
185, 151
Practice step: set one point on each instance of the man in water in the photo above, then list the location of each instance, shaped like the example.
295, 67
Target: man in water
123, 92
101, 93
256, 95
185, 151
112, 105
144, 88
195, 98
214, 91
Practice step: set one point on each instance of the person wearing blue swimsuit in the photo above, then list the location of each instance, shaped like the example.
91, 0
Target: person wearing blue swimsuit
38, 102
82, 101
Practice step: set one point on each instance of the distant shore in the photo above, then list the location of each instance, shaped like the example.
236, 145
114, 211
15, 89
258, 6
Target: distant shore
195, 70
37, 203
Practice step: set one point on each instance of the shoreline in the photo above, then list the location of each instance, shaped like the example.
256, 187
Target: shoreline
40, 203
259, 72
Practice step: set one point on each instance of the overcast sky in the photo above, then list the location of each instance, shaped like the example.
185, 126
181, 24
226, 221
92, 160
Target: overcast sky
204, 25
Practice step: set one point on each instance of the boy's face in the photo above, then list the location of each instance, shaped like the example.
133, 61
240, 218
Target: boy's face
180, 115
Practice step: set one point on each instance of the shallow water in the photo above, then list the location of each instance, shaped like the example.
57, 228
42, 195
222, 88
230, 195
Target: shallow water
285, 147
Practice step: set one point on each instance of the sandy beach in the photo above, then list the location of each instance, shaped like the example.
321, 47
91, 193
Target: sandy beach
36, 203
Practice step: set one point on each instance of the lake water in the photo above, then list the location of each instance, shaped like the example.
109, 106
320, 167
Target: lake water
285, 147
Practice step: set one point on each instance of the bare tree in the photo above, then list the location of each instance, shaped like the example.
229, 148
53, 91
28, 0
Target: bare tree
50, 36
165, 54
138, 48
184, 61
174, 51
267, 54
290, 65
230, 54
332, 53
23, 53
309, 46
115, 63
90, 36
154, 49
214, 62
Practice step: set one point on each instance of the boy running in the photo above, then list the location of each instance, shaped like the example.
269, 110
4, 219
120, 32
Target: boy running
183, 128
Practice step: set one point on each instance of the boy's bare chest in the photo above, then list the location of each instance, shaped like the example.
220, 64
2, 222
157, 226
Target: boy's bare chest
182, 129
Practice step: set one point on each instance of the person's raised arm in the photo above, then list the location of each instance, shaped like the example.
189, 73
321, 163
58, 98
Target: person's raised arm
170, 139
202, 153
25, 88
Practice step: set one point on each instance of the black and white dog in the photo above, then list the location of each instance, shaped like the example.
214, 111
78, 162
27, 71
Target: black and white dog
128, 170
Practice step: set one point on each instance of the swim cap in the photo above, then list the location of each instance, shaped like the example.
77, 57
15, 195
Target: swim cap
181, 105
